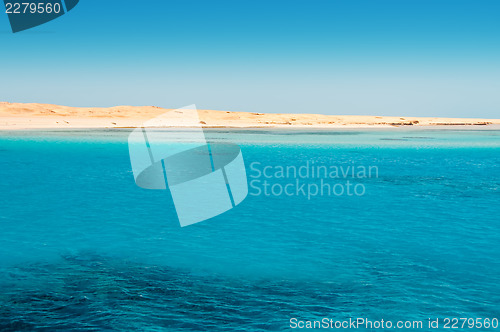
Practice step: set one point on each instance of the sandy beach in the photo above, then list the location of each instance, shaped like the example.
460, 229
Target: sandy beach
19, 116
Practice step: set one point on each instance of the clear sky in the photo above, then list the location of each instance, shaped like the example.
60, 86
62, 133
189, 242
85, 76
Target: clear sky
384, 57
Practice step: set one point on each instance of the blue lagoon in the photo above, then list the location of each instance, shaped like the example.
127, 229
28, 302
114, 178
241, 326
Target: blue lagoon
82, 247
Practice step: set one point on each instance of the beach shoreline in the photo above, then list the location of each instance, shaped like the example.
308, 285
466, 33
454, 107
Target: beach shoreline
18, 116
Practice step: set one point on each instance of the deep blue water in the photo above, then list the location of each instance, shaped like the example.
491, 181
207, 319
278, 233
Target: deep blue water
83, 248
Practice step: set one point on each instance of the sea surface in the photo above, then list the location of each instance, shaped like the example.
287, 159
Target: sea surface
82, 248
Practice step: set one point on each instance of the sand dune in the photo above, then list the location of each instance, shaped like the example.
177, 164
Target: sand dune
44, 116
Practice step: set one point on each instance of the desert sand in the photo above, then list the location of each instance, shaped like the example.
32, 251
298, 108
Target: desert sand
16, 116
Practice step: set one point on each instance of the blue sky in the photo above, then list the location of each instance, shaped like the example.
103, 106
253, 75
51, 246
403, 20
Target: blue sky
420, 58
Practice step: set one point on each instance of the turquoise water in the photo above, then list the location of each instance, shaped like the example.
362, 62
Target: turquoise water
83, 248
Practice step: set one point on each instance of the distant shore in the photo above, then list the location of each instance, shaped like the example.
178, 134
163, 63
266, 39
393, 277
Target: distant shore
18, 116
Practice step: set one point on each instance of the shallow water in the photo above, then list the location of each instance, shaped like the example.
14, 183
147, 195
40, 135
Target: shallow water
82, 247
